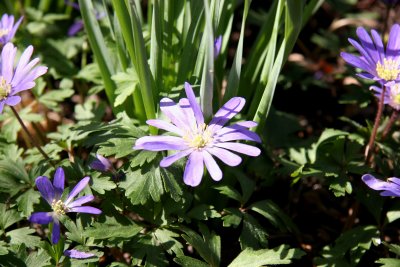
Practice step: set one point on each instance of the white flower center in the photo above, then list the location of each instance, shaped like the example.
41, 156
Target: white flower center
389, 70
199, 138
5, 88
59, 207
4, 32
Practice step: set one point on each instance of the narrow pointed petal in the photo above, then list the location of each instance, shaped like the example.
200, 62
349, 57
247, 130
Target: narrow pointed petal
59, 181
357, 62
160, 143
188, 112
41, 217
86, 209
55, 235
7, 61
75, 28
77, 189
374, 183
395, 181
1, 106
225, 156
393, 45
46, 189
174, 113
241, 148
226, 112
198, 114
160, 124
80, 201
168, 161
236, 132
367, 43
76, 254
379, 44
13, 100
194, 169
212, 166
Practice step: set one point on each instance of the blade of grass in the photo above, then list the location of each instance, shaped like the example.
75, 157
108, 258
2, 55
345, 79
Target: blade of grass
156, 44
99, 49
234, 74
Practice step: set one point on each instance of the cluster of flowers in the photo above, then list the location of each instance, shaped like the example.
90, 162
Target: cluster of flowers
15, 78
383, 66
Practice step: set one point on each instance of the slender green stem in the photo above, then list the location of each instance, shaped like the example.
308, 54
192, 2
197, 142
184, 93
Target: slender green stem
371, 143
33, 142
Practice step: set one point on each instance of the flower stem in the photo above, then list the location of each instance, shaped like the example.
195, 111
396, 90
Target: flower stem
371, 142
33, 142
389, 125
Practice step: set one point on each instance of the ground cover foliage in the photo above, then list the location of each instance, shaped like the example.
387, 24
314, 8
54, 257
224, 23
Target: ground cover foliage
118, 145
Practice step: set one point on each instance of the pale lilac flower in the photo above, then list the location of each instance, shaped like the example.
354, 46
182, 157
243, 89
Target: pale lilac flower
217, 46
8, 28
16, 79
101, 164
392, 95
76, 254
52, 194
390, 188
198, 141
376, 62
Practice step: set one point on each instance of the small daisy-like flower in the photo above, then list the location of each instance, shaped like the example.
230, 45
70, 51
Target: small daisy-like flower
198, 141
379, 64
8, 28
16, 79
392, 95
391, 188
52, 194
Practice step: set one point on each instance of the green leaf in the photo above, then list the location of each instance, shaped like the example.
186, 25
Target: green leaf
387, 262
38, 259
120, 147
51, 99
102, 184
12, 176
203, 212
168, 240
109, 230
8, 217
90, 110
253, 235
186, 261
279, 255
229, 192
143, 156
147, 248
27, 200
126, 83
23, 236
232, 217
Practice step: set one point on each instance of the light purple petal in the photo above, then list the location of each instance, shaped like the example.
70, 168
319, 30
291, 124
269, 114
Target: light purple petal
226, 112
167, 161
225, 156
77, 189
7, 61
55, 235
76, 254
236, 132
58, 182
217, 46
241, 148
1, 106
160, 143
393, 45
41, 217
101, 164
12, 100
212, 166
378, 44
86, 209
80, 201
246, 124
374, 183
198, 114
363, 52
165, 126
368, 45
174, 113
395, 180
368, 76
24, 60
194, 169
356, 61
46, 189
11, 34
188, 113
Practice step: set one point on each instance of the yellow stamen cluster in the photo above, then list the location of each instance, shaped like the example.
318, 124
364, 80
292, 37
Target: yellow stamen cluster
59, 207
389, 70
199, 138
5, 88
4, 32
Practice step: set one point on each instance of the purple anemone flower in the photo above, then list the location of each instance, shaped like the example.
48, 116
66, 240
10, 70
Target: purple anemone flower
101, 164
198, 141
76, 254
377, 63
217, 46
8, 28
390, 188
392, 95
22, 77
52, 194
